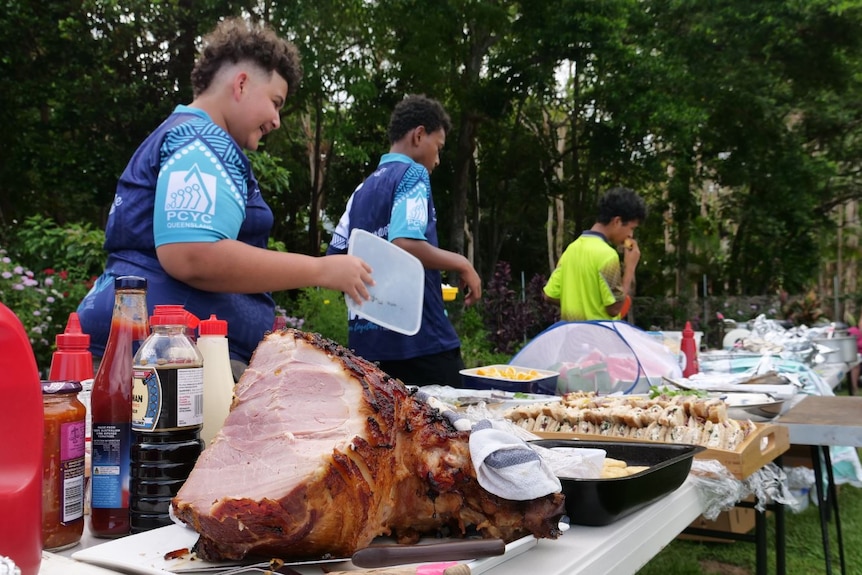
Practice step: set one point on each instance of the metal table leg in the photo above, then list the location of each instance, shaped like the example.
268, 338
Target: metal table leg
760, 541
780, 541
821, 505
833, 496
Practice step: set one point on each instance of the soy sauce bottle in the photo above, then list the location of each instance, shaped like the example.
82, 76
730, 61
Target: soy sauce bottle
167, 416
111, 404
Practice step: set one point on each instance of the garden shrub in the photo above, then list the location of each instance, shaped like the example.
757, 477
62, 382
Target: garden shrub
45, 271
512, 319
42, 301
316, 310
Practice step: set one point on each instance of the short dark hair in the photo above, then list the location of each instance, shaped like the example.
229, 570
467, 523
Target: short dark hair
234, 40
622, 202
414, 111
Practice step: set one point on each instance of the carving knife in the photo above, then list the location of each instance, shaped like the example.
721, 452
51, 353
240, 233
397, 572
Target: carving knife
387, 555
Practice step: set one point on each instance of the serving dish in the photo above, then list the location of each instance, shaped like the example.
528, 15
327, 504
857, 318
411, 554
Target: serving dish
144, 554
596, 502
754, 406
515, 380
449, 292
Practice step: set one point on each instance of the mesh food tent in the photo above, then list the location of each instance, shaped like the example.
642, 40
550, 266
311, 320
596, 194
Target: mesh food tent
601, 356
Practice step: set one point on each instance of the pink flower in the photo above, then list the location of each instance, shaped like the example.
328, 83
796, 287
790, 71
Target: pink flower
49, 272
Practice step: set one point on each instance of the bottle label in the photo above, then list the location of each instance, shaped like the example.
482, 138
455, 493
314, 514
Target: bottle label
111, 445
167, 398
84, 397
71, 476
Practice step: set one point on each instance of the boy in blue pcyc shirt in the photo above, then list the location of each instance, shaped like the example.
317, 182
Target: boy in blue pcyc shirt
188, 213
395, 203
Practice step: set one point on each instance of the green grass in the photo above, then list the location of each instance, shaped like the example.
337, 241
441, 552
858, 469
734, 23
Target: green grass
804, 548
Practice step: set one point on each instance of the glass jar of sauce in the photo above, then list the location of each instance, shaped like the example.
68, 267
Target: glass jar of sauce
63, 465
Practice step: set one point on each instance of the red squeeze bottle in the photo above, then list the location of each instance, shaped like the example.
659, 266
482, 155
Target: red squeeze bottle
72, 361
21, 428
111, 403
688, 347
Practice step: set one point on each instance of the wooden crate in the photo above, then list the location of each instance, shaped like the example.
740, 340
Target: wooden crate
763, 445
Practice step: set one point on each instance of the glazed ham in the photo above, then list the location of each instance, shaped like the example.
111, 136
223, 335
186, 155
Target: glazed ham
322, 452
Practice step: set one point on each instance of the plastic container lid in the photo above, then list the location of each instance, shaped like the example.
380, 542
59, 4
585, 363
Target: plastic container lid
212, 326
50, 387
398, 294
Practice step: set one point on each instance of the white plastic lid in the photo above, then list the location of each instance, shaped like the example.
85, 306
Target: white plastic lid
399, 290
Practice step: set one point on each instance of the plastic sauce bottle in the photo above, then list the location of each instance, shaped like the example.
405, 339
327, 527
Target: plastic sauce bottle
73, 362
218, 378
688, 347
21, 447
63, 465
112, 410
167, 415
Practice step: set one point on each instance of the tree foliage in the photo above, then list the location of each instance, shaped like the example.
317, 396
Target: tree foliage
738, 121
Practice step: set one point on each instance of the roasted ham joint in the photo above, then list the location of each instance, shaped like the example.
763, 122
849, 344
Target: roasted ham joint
322, 452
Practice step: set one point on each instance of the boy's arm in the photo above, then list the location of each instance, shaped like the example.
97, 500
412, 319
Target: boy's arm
233, 266
434, 258
631, 256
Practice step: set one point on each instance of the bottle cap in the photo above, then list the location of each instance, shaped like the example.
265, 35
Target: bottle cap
213, 326
72, 336
130, 282
190, 320
168, 315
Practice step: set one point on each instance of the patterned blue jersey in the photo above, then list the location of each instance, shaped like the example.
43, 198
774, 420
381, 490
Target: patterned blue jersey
187, 182
395, 202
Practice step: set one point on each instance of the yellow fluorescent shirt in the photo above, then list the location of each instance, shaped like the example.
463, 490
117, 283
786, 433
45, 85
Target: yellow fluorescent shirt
587, 279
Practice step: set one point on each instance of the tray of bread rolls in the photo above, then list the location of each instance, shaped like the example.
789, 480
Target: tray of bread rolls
742, 446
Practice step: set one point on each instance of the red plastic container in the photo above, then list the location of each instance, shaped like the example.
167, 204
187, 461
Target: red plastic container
21, 428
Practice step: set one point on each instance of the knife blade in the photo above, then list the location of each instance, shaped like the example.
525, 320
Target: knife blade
387, 555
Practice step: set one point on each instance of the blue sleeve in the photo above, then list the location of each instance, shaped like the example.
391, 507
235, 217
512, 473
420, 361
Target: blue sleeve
409, 218
197, 199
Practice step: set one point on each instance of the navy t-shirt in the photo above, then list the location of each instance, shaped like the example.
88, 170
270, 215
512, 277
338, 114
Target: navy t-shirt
187, 182
395, 202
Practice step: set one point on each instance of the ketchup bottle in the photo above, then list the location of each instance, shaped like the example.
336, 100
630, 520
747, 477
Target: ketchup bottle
688, 347
111, 403
73, 362
21, 447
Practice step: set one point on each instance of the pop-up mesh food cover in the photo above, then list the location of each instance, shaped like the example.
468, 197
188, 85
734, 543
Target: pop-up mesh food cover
601, 356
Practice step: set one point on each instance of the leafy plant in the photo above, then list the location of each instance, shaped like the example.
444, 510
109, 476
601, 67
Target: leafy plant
510, 320
76, 248
805, 310
476, 348
42, 301
316, 310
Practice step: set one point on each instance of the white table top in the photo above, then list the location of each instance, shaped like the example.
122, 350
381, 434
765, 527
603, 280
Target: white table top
620, 548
